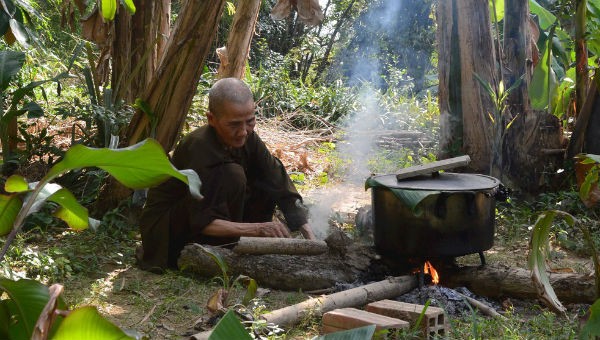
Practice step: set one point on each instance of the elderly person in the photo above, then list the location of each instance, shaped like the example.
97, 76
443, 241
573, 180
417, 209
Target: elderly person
242, 182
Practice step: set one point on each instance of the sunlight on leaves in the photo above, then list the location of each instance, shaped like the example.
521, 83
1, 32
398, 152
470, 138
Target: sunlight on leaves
140, 166
10, 205
70, 211
130, 6
108, 9
16, 183
538, 254
27, 299
87, 323
229, 327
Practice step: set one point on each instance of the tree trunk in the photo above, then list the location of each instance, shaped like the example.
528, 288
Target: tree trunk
239, 39
466, 50
498, 281
332, 39
517, 53
528, 167
139, 42
581, 85
169, 94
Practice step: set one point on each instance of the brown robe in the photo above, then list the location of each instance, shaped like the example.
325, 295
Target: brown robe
238, 184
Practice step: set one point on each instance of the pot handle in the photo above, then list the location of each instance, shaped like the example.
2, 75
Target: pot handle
440, 210
470, 203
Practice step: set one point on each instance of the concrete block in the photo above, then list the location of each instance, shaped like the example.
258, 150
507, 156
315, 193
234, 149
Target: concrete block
349, 318
434, 321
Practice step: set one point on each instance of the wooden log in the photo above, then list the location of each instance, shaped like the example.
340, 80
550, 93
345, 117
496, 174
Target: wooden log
343, 263
429, 168
359, 296
497, 281
271, 245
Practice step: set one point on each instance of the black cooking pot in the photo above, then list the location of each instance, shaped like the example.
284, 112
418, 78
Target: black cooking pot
445, 215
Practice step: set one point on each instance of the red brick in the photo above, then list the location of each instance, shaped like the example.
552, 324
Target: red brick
348, 318
433, 322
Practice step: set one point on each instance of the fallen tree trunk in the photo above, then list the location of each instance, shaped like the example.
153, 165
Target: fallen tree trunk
271, 245
497, 281
342, 263
347, 262
355, 297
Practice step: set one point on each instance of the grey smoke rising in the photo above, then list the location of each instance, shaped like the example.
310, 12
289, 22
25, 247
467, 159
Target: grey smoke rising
363, 64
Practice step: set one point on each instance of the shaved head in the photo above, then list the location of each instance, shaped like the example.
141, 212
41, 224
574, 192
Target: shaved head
228, 90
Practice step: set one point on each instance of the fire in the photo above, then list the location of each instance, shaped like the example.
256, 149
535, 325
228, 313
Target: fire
428, 269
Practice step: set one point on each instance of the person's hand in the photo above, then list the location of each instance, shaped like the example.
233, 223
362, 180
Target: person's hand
307, 232
273, 229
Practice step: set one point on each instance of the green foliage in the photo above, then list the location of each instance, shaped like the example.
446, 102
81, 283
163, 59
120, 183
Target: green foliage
251, 285
543, 83
315, 106
108, 8
591, 329
389, 44
21, 315
540, 324
139, 166
229, 327
539, 252
26, 300
87, 323
361, 333
19, 101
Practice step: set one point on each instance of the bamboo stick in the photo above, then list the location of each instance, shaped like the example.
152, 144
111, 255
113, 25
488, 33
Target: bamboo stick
386, 289
272, 245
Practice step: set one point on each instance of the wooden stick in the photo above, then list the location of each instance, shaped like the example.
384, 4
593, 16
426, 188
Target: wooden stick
386, 289
485, 309
429, 168
271, 245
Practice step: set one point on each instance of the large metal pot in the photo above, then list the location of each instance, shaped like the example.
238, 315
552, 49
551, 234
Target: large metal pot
454, 215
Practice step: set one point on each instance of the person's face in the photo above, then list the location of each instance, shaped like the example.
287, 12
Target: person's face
234, 123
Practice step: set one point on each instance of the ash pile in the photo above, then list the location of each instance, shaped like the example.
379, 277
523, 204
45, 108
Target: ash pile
450, 300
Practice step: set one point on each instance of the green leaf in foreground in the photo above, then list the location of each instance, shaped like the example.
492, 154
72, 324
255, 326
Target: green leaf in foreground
27, 299
130, 6
16, 183
228, 328
362, 333
10, 205
537, 258
70, 211
139, 166
108, 9
591, 329
87, 323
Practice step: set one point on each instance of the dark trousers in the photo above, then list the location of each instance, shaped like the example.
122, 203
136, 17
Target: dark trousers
229, 195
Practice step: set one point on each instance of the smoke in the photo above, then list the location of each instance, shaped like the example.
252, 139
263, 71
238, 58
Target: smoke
359, 130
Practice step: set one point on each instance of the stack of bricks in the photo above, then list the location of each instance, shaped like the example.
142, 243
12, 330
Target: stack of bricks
389, 315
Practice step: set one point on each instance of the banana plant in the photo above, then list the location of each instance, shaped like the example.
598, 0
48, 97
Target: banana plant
539, 245
35, 311
108, 8
139, 166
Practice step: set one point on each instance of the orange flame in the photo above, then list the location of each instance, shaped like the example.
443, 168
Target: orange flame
428, 269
